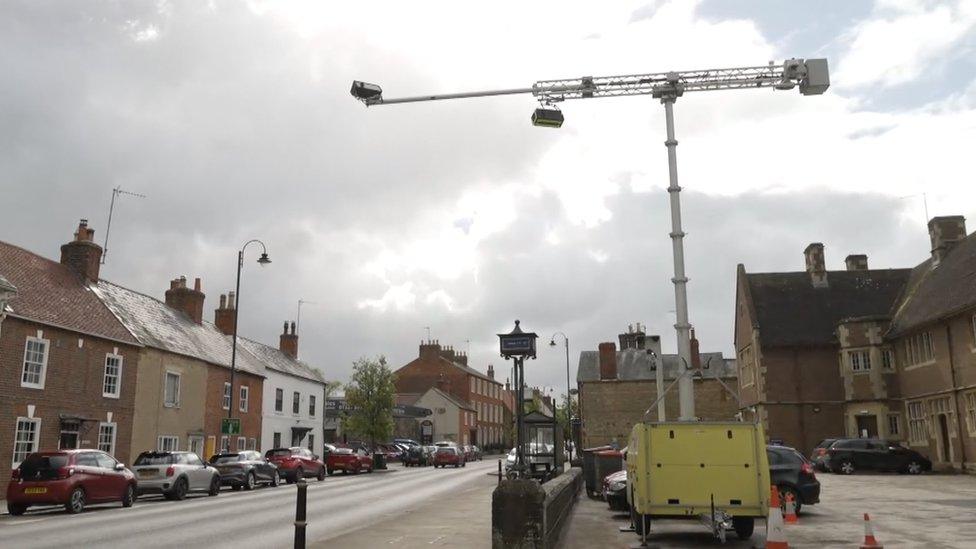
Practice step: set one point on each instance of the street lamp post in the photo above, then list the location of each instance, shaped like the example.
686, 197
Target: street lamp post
569, 398
263, 260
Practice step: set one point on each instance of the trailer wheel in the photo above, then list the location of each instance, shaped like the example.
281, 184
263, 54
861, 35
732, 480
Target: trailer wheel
642, 523
743, 526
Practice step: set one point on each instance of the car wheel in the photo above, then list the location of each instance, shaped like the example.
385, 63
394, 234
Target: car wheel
214, 486
846, 467
16, 509
321, 475
743, 527
249, 481
179, 489
76, 501
783, 490
642, 523
275, 478
129, 496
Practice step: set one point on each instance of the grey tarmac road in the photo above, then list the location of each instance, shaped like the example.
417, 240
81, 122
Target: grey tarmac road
262, 518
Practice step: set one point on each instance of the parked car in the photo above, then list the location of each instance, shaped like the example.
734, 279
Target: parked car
392, 452
73, 478
615, 491
849, 455
472, 453
793, 474
416, 456
245, 470
350, 460
449, 455
443, 443
408, 441
174, 474
820, 452
295, 463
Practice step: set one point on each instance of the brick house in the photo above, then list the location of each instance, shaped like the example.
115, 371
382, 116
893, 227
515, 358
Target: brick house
881, 353
68, 367
437, 364
616, 388
185, 387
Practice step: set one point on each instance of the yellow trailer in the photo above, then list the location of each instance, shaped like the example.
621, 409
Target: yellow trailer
716, 472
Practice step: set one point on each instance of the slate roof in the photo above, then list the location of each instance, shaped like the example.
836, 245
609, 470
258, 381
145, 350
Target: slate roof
276, 360
635, 364
51, 293
157, 325
791, 311
934, 293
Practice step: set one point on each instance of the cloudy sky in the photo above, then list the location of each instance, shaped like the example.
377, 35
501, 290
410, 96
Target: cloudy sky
235, 120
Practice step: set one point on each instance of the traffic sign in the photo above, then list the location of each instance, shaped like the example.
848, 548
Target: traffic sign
230, 426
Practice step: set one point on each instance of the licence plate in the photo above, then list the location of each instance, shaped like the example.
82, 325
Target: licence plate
147, 473
35, 490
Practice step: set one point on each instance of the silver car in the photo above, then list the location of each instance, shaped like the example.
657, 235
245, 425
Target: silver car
174, 474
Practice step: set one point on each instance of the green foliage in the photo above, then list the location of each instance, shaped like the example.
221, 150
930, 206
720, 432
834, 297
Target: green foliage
562, 419
371, 396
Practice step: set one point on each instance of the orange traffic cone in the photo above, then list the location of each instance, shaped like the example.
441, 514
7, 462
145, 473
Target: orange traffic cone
870, 542
790, 516
775, 534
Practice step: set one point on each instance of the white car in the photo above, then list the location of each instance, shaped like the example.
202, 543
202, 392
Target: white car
174, 474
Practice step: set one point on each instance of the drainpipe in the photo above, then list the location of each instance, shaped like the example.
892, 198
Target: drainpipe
952, 376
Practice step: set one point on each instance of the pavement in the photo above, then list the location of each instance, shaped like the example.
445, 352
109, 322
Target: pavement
930, 511
447, 507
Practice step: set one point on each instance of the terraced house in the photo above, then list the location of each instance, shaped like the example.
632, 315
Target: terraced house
885, 353
67, 365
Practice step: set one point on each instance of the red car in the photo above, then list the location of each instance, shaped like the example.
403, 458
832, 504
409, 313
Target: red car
295, 463
448, 455
73, 478
350, 460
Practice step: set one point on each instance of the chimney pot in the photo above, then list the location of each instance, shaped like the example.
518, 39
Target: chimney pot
231, 300
816, 265
856, 262
82, 255
223, 301
196, 284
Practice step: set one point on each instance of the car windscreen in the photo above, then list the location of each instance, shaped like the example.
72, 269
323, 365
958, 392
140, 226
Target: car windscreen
154, 458
37, 465
225, 458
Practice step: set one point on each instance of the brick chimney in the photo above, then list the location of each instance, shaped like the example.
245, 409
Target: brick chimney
857, 262
944, 232
635, 338
695, 352
491, 372
461, 358
430, 349
179, 297
225, 316
447, 352
288, 342
814, 254
608, 360
82, 255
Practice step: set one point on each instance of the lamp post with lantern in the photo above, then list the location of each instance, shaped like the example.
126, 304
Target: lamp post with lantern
517, 345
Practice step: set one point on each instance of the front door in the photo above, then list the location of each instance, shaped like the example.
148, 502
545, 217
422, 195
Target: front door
867, 426
945, 453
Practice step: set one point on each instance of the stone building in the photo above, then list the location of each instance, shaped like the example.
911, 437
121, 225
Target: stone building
617, 388
882, 353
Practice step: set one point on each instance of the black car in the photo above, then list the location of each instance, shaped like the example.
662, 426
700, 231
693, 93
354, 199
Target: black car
820, 453
846, 456
793, 474
416, 456
245, 470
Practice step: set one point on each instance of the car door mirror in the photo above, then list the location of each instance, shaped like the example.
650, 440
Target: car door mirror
120, 467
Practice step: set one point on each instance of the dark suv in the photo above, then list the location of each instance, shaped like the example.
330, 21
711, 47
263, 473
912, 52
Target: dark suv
793, 474
870, 454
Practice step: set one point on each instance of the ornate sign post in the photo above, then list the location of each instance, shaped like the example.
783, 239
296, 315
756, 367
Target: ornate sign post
517, 345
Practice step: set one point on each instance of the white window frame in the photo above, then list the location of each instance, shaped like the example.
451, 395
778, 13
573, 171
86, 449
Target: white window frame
167, 443
241, 444
111, 443
296, 404
894, 420
970, 401
42, 375
888, 360
245, 393
252, 444
919, 349
860, 361
225, 404
118, 376
224, 444
917, 429
179, 383
34, 442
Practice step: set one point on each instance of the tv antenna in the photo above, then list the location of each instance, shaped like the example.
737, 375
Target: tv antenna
108, 226
298, 320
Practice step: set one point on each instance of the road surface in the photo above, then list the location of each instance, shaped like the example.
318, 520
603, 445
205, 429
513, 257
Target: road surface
262, 518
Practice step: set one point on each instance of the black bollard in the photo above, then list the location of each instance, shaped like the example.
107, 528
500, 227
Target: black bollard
499, 471
300, 514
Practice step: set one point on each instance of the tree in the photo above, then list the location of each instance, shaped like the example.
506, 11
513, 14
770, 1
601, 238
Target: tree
370, 396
